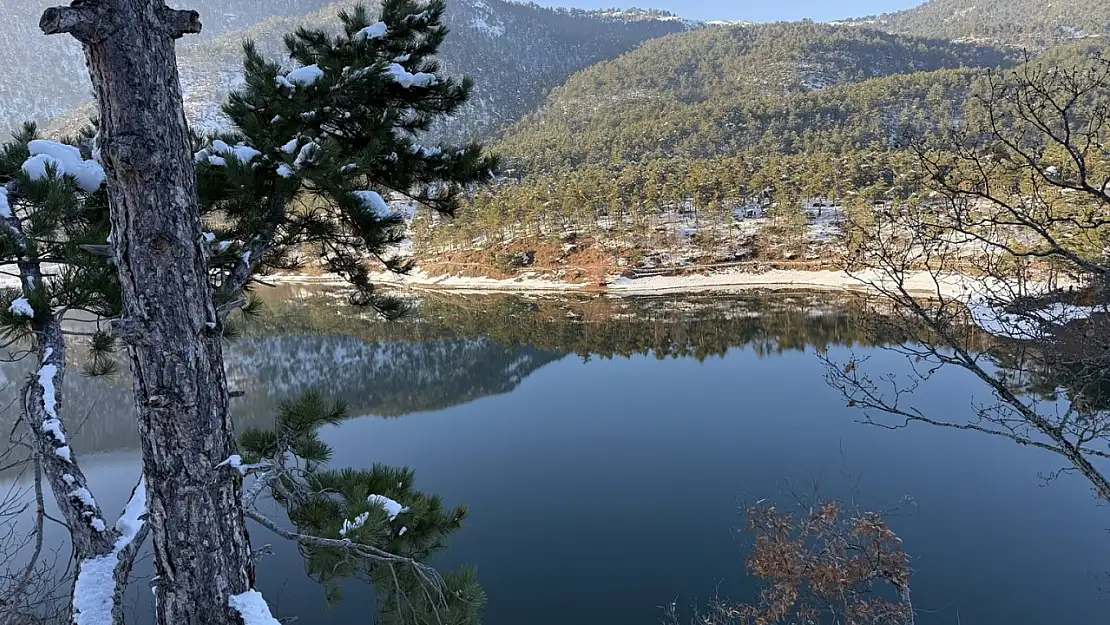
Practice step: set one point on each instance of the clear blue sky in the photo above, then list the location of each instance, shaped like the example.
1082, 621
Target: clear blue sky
754, 10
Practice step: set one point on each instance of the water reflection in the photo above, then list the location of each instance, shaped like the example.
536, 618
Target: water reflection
458, 349
604, 447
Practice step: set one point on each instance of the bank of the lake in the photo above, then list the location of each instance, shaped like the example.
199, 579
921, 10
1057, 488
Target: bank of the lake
693, 281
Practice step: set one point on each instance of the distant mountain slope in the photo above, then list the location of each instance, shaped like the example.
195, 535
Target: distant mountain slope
718, 91
514, 52
45, 76
1032, 23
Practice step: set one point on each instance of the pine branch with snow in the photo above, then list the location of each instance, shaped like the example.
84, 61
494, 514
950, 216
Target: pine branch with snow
53, 209
374, 514
326, 154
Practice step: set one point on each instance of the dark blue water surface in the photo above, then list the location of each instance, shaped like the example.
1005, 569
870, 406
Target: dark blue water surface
603, 487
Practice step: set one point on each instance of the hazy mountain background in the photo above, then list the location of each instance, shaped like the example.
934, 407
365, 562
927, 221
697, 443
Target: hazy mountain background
567, 87
515, 53
45, 76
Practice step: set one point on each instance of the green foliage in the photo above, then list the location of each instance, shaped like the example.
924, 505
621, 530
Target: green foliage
328, 144
703, 123
102, 350
345, 504
55, 221
776, 88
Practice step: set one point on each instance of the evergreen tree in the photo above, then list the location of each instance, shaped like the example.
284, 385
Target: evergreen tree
319, 145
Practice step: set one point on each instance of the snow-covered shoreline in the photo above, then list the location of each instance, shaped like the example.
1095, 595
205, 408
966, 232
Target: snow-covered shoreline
922, 283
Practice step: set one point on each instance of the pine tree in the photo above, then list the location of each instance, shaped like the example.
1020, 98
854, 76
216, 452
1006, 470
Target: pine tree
318, 146
374, 515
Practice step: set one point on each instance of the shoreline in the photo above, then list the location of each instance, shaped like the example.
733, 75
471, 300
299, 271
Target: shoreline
922, 283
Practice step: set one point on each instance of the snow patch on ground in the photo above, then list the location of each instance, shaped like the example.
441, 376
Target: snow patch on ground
953, 286
1027, 326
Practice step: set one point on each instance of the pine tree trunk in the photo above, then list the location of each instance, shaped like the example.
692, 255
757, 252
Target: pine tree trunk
202, 553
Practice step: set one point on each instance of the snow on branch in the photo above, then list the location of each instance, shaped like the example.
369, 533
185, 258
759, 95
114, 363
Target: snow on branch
20, 306
374, 202
252, 608
235, 461
391, 507
216, 153
407, 79
302, 76
63, 160
101, 580
376, 30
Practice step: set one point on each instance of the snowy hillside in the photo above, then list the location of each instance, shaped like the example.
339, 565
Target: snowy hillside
45, 76
514, 52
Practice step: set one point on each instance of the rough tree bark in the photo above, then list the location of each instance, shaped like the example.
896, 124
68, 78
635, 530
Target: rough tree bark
202, 552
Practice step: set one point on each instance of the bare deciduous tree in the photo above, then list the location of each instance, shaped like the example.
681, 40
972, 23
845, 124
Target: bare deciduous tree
1010, 235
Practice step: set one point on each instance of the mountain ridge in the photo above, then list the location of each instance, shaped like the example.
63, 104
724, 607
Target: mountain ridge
514, 52
720, 90
1018, 23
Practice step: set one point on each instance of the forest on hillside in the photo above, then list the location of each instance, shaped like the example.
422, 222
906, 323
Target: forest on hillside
742, 121
1034, 24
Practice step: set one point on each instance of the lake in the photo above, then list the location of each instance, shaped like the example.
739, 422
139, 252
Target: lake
606, 449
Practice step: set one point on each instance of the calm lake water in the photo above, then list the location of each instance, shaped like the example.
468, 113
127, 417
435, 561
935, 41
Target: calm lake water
606, 449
